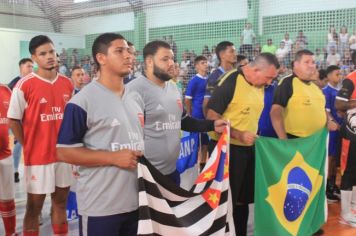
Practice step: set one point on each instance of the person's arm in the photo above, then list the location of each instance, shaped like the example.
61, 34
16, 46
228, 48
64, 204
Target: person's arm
281, 96
243, 136
15, 113
342, 101
188, 105
16, 127
278, 121
205, 103
189, 94
71, 149
85, 157
191, 124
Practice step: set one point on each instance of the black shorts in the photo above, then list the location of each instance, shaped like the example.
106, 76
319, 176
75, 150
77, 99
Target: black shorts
242, 172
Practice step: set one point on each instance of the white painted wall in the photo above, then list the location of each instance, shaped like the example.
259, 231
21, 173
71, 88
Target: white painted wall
99, 24
10, 48
192, 12
283, 7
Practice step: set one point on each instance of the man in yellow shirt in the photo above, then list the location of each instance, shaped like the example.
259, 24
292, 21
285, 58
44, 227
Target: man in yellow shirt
239, 97
298, 108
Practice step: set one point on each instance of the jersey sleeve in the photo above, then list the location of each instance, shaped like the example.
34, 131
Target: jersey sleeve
18, 104
346, 91
283, 92
189, 93
327, 100
223, 94
73, 127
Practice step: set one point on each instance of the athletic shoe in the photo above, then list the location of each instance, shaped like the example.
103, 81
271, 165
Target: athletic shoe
331, 197
348, 219
336, 191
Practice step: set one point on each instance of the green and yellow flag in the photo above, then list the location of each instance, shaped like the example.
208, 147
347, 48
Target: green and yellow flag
290, 185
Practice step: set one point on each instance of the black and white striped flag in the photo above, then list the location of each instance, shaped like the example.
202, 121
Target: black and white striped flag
166, 209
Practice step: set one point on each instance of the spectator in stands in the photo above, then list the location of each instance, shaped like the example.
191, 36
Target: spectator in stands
343, 40
258, 48
331, 42
185, 61
173, 45
287, 42
302, 40
352, 41
63, 57
74, 58
333, 57
282, 52
269, 47
205, 52
86, 64
346, 60
319, 58
247, 40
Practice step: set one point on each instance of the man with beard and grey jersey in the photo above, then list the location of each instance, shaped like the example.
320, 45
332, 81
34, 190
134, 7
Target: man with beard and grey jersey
164, 116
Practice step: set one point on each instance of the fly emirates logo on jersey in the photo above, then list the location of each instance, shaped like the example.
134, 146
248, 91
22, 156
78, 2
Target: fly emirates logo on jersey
134, 143
172, 124
57, 114
3, 120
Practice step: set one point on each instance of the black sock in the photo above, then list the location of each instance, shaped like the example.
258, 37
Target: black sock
240, 219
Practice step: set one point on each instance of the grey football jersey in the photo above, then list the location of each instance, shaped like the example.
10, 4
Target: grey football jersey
163, 110
98, 119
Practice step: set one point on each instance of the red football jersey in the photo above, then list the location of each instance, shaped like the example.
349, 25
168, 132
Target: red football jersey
39, 104
5, 94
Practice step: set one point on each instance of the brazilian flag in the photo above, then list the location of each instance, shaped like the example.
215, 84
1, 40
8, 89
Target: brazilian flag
290, 185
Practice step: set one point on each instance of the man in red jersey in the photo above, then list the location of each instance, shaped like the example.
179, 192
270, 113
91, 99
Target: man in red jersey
35, 113
7, 193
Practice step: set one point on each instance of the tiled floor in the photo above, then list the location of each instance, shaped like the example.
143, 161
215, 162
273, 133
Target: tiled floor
331, 228
46, 229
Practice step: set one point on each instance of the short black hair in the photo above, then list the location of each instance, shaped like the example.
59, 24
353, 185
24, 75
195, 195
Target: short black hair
222, 47
37, 41
130, 44
75, 68
322, 74
353, 57
24, 61
331, 69
240, 58
152, 47
102, 43
301, 53
269, 58
199, 58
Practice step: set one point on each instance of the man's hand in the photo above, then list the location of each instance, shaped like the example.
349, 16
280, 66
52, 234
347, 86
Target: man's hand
247, 137
219, 125
126, 158
332, 125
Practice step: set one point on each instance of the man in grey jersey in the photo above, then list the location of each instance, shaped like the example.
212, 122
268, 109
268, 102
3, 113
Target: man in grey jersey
102, 133
164, 116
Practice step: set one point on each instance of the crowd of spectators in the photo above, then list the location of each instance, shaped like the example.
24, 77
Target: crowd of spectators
337, 51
